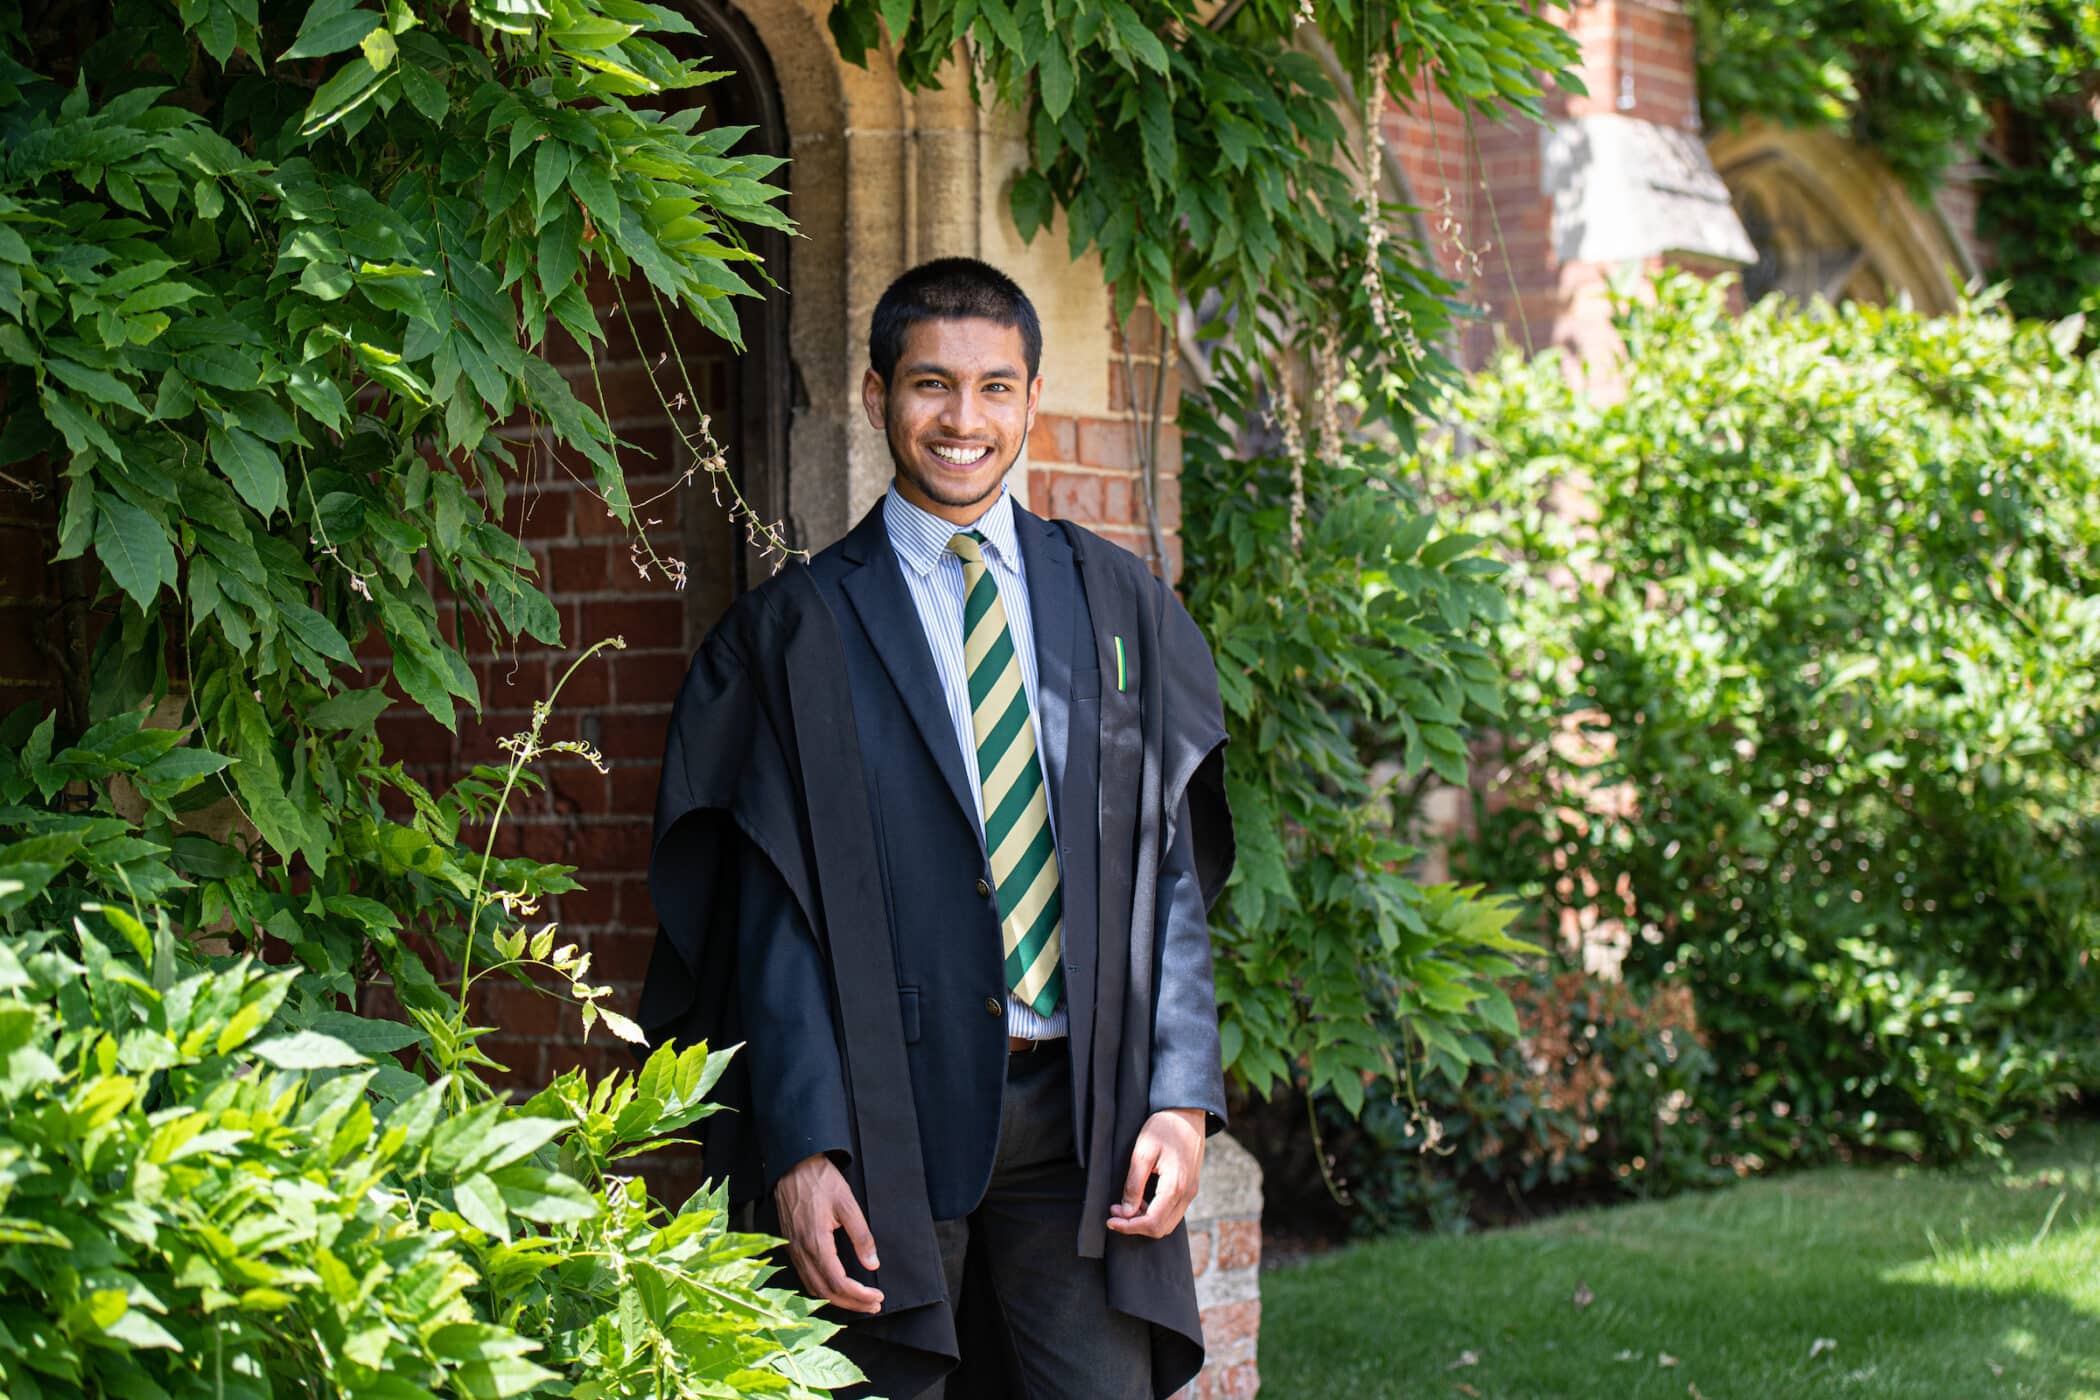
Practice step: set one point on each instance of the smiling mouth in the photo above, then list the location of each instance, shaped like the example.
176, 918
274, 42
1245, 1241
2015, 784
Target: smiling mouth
961, 456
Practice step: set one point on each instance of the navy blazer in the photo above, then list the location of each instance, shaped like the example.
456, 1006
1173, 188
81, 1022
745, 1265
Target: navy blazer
937, 885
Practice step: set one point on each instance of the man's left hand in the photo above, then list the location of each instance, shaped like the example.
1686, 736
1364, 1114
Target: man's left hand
1171, 1147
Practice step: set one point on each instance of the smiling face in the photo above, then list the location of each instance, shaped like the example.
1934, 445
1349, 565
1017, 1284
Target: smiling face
956, 413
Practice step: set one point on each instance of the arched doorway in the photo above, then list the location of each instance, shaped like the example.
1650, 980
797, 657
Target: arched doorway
758, 386
1829, 221
662, 375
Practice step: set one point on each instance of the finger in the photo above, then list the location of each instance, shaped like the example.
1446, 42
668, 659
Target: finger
838, 1286
1157, 1221
1163, 1212
1148, 1223
1173, 1199
856, 1227
1169, 1203
1169, 1193
834, 1283
857, 1297
806, 1270
824, 1257
843, 1289
1142, 1161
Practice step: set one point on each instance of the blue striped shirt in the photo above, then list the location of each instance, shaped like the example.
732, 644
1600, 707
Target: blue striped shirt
935, 577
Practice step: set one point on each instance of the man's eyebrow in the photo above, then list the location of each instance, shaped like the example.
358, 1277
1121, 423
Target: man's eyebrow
942, 371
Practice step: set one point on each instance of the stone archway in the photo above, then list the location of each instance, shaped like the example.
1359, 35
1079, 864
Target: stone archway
1829, 220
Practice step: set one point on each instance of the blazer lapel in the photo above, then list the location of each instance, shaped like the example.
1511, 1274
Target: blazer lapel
876, 588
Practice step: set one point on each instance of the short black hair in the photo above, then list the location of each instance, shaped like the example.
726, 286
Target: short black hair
951, 289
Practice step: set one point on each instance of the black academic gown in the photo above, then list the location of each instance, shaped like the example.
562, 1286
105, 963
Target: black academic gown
764, 752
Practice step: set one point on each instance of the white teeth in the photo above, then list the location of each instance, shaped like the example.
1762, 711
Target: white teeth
960, 456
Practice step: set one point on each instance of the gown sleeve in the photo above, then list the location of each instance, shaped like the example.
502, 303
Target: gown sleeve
798, 1092
734, 959
1186, 1070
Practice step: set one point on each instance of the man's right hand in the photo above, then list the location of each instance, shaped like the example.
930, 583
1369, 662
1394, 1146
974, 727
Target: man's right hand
814, 1202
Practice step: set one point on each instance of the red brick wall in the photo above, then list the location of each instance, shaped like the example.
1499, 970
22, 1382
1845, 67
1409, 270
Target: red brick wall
1637, 61
1480, 187
1086, 468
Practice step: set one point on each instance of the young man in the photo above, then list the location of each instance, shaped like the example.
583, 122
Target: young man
940, 819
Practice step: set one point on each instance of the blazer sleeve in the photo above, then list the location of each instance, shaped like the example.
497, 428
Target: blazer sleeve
798, 1089
1187, 1070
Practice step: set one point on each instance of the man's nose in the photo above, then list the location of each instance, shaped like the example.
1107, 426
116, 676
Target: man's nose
963, 414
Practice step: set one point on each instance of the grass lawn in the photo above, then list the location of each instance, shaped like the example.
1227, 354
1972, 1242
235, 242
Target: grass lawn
1884, 1282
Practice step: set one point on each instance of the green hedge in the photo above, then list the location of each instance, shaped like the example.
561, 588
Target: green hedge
1806, 710
1598, 1094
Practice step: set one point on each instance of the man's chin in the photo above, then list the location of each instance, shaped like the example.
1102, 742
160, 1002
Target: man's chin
961, 499
950, 492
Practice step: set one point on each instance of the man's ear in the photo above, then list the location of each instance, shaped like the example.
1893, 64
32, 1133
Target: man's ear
875, 398
1035, 396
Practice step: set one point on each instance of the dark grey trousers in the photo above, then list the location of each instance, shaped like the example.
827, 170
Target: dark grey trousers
1065, 1342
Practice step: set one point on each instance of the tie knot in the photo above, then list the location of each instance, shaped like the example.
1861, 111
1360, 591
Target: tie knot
969, 545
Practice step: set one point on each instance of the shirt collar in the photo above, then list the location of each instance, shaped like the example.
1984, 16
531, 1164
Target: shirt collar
921, 537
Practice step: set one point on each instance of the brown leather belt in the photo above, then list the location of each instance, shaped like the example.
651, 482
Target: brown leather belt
1022, 1045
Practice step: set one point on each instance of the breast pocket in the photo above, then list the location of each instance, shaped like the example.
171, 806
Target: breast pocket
908, 1011
1086, 685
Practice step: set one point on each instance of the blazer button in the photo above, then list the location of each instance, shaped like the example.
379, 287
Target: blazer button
992, 1005
984, 888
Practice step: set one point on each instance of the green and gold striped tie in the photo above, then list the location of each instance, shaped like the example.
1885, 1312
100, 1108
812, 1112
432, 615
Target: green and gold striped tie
1016, 805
